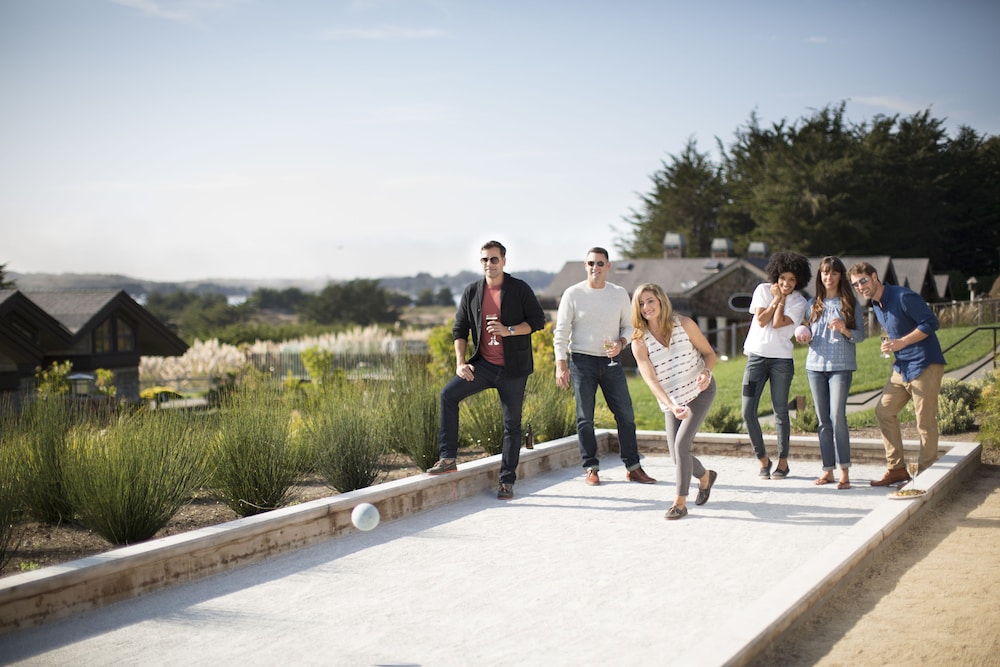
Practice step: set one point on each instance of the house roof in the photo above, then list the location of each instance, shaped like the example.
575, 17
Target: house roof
915, 273
678, 276
26, 330
78, 312
686, 276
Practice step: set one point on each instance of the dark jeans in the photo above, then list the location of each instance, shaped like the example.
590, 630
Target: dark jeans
758, 371
588, 374
511, 390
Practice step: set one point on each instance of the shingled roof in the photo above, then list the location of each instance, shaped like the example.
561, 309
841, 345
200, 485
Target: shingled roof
78, 312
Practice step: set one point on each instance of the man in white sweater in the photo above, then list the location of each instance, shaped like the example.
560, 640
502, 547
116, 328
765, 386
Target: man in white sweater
593, 326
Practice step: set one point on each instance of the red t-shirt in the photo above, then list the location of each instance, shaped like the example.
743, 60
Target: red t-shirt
491, 306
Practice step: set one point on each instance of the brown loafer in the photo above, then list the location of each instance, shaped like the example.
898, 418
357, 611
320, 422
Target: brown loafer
892, 477
703, 494
639, 475
592, 479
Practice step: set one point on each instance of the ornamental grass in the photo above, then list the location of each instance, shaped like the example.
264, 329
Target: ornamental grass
255, 460
128, 480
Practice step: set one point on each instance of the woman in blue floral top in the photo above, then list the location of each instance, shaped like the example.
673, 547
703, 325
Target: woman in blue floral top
835, 328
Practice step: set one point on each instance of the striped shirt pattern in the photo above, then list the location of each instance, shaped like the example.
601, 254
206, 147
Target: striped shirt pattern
677, 367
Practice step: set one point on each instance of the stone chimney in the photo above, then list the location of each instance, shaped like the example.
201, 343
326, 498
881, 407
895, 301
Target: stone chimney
722, 248
674, 245
758, 250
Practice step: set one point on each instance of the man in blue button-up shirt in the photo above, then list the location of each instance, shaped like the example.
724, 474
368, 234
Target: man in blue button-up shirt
916, 373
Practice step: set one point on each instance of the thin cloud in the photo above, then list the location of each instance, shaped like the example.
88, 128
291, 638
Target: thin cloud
890, 104
180, 12
153, 8
817, 39
383, 32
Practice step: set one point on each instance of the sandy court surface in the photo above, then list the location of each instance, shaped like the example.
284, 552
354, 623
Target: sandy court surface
932, 598
565, 574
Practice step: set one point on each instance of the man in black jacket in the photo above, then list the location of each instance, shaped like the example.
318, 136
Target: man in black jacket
503, 311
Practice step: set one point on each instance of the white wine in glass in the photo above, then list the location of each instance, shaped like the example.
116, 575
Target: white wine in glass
885, 339
914, 468
609, 344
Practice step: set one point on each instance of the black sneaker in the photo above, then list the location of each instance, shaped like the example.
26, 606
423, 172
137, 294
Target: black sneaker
443, 466
505, 491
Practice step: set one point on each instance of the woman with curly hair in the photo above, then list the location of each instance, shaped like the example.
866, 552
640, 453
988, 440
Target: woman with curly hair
778, 307
835, 327
675, 359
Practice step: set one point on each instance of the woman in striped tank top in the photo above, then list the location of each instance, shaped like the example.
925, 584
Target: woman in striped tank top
675, 359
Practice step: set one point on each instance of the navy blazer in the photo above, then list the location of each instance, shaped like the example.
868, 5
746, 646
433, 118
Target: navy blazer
518, 303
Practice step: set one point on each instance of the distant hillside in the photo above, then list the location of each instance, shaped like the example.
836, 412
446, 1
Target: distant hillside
243, 287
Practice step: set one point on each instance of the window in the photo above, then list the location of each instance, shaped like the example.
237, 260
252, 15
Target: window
126, 336
114, 335
103, 337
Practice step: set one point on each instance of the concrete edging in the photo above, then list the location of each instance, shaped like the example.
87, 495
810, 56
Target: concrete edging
33, 598
764, 621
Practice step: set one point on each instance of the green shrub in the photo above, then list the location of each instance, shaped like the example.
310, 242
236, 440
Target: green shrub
723, 419
549, 410
11, 496
255, 459
348, 438
413, 410
988, 410
956, 390
805, 420
481, 422
129, 479
42, 431
954, 416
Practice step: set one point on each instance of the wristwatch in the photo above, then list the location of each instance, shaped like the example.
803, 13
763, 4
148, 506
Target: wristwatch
511, 330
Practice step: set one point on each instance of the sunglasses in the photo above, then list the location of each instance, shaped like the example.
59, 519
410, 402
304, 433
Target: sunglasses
491, 260
599, 262
861, 281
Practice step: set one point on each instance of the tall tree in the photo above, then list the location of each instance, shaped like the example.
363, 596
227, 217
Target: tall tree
4, 283
359, 301
687, 193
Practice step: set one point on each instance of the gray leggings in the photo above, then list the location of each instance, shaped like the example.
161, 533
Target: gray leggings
680, 436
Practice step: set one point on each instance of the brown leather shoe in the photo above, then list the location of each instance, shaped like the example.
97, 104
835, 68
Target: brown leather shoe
639, 475
892, 477
592, 478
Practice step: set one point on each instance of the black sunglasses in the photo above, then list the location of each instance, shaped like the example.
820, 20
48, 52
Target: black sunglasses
492, 260
599, 262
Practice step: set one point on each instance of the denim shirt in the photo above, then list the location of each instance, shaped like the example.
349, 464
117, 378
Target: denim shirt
901, 311
829, 350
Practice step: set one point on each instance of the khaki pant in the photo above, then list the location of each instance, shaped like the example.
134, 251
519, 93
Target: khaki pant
924, 391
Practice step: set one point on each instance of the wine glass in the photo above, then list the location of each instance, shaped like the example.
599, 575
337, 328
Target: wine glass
885, 339
914, 468
609, 344
493, 336
833, 332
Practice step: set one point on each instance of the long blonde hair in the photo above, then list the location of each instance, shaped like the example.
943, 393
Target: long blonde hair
665, 322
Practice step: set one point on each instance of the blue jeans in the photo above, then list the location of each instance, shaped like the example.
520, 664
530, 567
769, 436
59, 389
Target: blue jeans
589, 373
778, 372
511, 390
830, 390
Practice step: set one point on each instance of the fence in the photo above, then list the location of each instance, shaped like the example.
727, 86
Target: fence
284, 365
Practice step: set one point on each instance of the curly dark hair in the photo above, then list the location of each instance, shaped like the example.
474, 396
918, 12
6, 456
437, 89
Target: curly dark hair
789, 262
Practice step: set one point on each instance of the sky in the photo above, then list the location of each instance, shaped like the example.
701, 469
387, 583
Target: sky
174, 140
